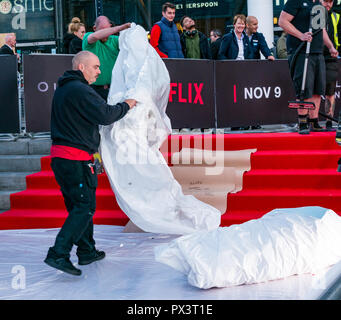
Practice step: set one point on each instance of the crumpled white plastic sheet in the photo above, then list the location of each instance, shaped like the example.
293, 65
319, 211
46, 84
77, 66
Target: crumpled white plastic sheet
282, 243
128, 272
143, 184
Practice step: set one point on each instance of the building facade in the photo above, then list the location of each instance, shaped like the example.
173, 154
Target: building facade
41, 24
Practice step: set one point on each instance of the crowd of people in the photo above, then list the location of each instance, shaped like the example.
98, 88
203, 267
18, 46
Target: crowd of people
183, 40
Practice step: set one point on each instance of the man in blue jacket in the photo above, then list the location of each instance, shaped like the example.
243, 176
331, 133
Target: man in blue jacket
257, 40
164, 36
77, 112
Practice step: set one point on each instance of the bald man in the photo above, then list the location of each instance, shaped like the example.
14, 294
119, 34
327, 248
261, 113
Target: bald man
77, 111
257, 39
104, 43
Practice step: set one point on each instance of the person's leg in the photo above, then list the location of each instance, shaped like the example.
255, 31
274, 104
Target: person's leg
331, 78
297, 77
319, 88
70, 177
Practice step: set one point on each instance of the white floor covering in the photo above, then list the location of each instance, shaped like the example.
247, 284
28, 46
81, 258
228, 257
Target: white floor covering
128, 272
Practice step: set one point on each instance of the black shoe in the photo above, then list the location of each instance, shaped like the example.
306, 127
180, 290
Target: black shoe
91, 257
338, 131
315, 126
303, 128
329, 125
256, 127
63, 264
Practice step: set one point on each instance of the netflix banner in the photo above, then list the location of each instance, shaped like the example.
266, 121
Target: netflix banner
9, 104
41, 73
191, 98
203, 93
251, 92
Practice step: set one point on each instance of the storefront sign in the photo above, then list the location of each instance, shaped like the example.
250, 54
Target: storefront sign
9, 107
29, 19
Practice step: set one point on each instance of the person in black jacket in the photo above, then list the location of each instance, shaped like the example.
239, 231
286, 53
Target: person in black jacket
235, 45
9, 46
77, 112
257, 40
334, 30
74, 37
215, 37
193, 42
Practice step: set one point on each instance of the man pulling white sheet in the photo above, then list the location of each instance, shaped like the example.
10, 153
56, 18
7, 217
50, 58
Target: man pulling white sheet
144, 186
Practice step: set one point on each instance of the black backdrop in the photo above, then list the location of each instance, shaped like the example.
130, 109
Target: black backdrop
203, 94
9, 107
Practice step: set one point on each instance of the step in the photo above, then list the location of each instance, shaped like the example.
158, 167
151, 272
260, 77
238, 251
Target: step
20, 163
51, 199
13, 180
296, 159
5, 203
284, 198
25, 146
292, 179
32, 219
46, 180
261, 141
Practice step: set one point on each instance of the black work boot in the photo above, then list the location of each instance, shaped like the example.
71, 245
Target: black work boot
91, 257
63, 264
303, 126
338, 132
315, 126
329, 125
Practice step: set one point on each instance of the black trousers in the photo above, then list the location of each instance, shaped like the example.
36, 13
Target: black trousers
78, 185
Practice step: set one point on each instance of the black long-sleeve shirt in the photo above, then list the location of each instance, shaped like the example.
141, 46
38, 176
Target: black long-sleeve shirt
78, 110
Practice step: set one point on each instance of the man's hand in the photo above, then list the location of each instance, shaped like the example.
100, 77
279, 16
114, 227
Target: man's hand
308, 36
333, 52
124, 26
271, 58
131, 102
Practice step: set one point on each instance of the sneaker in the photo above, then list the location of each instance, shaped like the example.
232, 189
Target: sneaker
91, 257
63, 264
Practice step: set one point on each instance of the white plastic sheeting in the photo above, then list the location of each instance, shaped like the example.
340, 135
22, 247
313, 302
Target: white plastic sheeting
128, 272
282, 243
144, 186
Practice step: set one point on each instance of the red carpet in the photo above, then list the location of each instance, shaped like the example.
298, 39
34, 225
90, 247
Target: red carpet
288, 170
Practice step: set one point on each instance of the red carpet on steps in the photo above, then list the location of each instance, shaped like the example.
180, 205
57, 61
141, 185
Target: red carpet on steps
288, 170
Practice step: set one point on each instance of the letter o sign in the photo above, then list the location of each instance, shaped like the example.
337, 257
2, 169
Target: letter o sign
43, 86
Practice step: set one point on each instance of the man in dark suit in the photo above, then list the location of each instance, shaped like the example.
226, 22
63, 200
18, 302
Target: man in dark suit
9, 46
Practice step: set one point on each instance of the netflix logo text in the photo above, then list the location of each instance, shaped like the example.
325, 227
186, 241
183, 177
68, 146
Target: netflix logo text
186, 93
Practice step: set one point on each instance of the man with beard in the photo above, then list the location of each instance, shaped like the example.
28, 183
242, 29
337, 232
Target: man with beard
77, 112
193, 42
